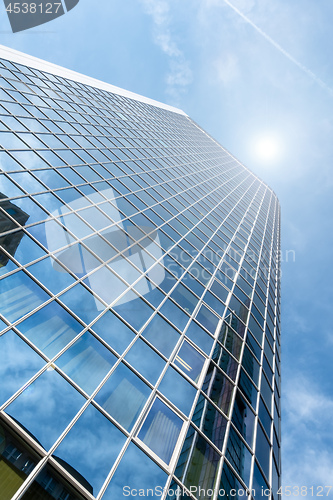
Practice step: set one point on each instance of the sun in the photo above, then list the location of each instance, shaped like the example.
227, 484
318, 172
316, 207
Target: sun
267, 148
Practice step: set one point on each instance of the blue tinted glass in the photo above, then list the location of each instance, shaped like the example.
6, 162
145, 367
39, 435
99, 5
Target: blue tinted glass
133, 309
19, 295
174, 314
49, 272
51, 235
87, 362
226, 362
33, 213
263, 451
230, 487
243, 418
123, 396
50, 329
19, 363
91, 457
197, 450
145, 360
218, 388
206, 318
161, 335
28, 250
178, 390
8, 188
6, 265
210, 421
259, 484
265, 418
239, 456
113, 331
160, 430
199, 337
82, 303
46, 407
190, 361
248, 388
145, 474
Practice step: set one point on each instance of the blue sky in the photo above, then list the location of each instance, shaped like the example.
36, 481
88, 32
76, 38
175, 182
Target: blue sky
244, 70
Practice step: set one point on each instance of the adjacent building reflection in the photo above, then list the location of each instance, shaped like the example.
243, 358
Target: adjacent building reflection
10, 242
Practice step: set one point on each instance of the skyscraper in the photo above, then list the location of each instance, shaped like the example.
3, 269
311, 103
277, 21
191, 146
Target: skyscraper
139, 299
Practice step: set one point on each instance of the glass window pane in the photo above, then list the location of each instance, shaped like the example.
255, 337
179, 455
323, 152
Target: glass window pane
178, 390
198, 463
210, 421
190, 361
230, 487
239, 456
16, 463
50, 329
145, 474
243, 419
113, 331
46, 407
218, 388
49, 481
199, 337
145, 360
207, 319
91, 457
160, 430
161, 335
87, 362
19, 362
82, 302
19, 295
123, 396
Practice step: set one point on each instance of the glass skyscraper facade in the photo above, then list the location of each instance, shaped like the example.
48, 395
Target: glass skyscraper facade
139, 299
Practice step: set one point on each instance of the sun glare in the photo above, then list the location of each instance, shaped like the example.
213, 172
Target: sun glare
267, 148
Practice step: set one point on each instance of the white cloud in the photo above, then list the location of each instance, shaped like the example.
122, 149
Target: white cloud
306, 457
179, 75
226, 68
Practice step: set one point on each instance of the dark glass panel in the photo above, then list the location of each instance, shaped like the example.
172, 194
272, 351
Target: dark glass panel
218, 388
239, 456
198, 462
243, 418
210, 421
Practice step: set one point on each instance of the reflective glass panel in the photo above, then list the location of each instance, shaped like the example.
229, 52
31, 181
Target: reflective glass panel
123, 396
218, 388
50, 329
46, 407
190, 361
210, 421
19, 363
19, 295
87, 362
161, 335
113, 331
94, 455
160, 430
145, 360
197, 465
145, 475
178, 390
